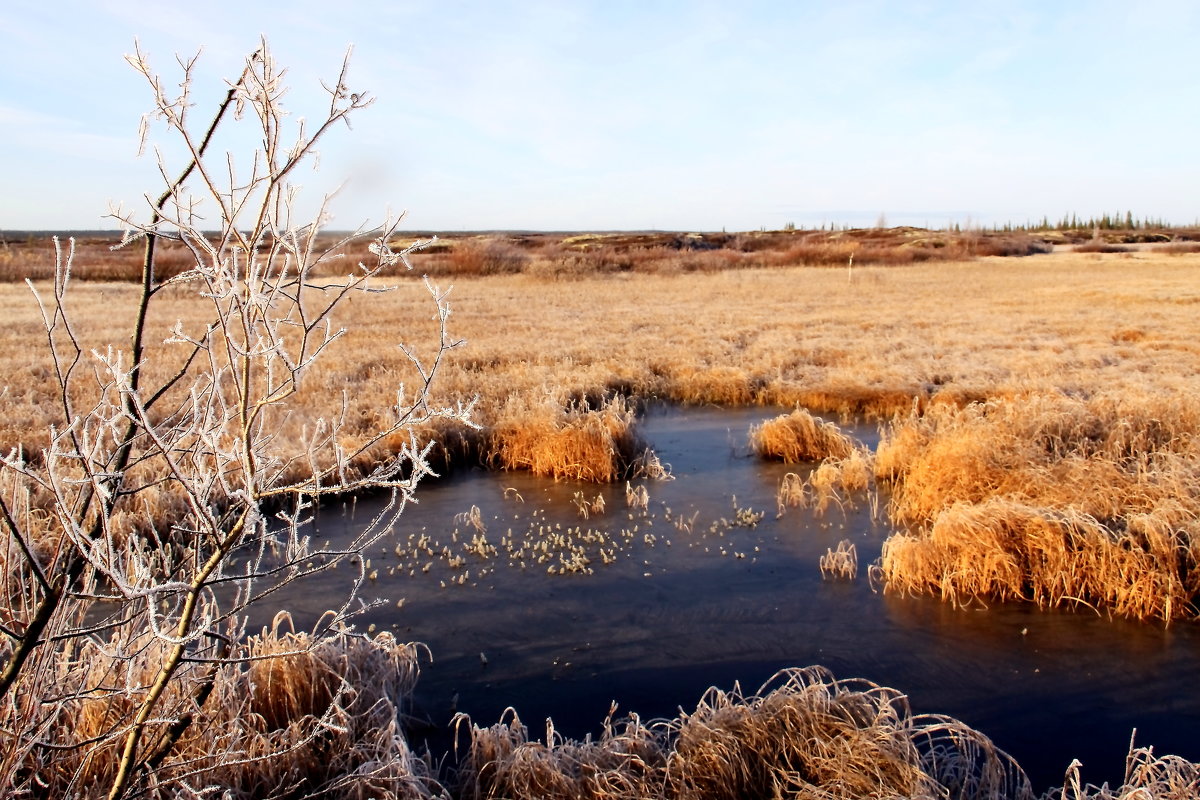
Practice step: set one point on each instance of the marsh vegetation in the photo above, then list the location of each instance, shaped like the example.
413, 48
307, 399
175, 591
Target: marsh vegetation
1033, 424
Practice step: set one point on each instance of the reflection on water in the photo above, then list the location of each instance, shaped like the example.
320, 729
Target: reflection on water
692, 600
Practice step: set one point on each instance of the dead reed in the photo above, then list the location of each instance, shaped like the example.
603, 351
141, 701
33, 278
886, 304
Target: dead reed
576, 442
292, 716
1147, 777
588, 508
803, 733
838, 480
793, 492
799, 436
841, 562
1050, 499
636, 498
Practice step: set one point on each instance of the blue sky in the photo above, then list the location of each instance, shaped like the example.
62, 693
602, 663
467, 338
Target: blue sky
629, 115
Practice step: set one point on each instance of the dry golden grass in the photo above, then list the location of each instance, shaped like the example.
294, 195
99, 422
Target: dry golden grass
955, 331
799, 436
1043, 446
1051, 499
575, 442
1106, 454
1068, 384
803, 734
1002, 549
323, 718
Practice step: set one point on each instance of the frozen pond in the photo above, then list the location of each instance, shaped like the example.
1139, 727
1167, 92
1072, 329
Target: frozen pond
695, 597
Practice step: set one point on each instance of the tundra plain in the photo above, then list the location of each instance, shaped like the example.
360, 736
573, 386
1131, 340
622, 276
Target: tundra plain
1039, 417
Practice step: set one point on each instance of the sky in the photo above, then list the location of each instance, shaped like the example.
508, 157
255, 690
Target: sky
636, 114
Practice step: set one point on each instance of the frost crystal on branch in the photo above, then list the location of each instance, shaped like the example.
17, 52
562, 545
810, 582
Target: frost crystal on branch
169, 501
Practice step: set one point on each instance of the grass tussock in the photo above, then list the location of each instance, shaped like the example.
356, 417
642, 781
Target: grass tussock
1004, 550
1050, 499
799, 436
1107, 456
803, 734
323, 719
502, 761
576, 443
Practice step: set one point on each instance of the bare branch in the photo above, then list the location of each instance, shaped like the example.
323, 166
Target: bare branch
155, 536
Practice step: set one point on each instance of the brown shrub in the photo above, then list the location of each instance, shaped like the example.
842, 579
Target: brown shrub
481, 256
1099, 246
1178, 248
1011, 245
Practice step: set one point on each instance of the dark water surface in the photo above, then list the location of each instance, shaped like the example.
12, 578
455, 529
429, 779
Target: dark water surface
678, 611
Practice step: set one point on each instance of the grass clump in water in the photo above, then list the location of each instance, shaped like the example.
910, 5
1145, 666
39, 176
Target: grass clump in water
841, 562
575, 442
804, 733
799, 436
1050, 499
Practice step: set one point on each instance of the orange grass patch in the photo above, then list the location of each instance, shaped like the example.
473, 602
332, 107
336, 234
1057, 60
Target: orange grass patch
799, 436
1108, 456
577, 443
1008, 551
1053, 500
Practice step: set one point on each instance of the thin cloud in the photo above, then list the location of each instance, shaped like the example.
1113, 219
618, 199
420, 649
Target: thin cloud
691, 115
